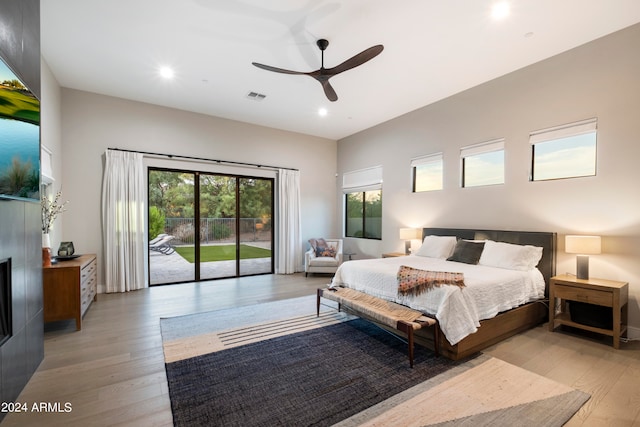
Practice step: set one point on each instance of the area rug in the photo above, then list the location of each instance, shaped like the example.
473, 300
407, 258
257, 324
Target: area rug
278, 364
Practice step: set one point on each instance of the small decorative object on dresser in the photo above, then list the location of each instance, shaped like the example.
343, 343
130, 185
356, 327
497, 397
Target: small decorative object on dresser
69, 288
66, 249
594, 293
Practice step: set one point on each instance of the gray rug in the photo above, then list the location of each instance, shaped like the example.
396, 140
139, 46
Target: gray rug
284, 366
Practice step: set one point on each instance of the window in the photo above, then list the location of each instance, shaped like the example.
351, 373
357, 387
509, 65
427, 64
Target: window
483, 164
567, 151
364, 215
427, 173
363, 203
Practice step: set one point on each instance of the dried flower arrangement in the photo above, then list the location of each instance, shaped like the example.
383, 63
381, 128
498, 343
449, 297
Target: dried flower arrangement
50, 210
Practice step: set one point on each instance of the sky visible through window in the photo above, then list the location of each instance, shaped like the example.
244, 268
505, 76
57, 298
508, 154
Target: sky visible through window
428, 176
568, 157
484, 169
5, 73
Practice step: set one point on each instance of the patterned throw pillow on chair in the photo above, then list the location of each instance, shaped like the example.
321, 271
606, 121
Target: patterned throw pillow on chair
322, 248
325, 252
316, 243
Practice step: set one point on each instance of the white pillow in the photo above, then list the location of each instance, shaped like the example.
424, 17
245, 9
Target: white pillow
437, 246
510, 256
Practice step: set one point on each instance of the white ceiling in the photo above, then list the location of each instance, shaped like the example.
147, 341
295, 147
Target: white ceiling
432, 49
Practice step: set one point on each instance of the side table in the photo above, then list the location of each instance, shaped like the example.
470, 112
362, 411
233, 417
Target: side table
607, 293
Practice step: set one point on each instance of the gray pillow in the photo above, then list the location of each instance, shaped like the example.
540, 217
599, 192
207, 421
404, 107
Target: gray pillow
467, 252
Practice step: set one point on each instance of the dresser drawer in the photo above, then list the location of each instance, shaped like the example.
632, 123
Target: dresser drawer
590, 296
88, 282
88, 271
86, 299
88, 286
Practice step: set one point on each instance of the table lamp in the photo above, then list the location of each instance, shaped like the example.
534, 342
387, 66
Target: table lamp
409, 234
583, 246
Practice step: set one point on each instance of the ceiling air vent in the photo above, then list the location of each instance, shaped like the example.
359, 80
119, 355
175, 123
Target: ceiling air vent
256, 96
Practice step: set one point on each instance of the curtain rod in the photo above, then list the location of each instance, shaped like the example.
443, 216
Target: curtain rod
202, 159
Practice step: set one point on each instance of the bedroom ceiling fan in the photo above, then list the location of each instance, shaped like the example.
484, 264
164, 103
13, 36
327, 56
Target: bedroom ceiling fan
324, 74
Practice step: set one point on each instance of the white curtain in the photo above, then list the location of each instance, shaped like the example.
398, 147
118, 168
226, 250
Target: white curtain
123, 197
289, 254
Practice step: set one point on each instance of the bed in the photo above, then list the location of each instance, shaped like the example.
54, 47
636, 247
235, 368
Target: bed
502, 296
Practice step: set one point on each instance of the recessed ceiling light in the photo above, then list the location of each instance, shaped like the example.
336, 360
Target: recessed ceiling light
323, 112
500, 10
166, 73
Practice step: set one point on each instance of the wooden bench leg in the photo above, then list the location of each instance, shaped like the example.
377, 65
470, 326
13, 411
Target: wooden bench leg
407, 328
320, 294
410, 340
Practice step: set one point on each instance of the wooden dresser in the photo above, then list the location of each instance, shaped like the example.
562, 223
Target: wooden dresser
69, 288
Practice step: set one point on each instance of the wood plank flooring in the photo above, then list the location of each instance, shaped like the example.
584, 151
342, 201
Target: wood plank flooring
112, 372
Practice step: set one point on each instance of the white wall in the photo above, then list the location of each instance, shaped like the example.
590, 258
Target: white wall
51, 138
600, 79
92, 123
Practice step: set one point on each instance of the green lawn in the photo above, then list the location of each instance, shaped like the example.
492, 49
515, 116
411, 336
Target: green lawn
19, 105
222, 253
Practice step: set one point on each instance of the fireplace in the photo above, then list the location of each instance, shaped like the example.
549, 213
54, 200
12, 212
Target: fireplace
5, 300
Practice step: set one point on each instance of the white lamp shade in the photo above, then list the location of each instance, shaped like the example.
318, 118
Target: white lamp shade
585, 245
410, 234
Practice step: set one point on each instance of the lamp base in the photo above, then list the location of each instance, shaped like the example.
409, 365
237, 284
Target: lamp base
582, 267
407, 247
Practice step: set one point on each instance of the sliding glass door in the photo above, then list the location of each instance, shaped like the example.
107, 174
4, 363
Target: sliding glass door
216, 226
218, 236
256, 233
170, 226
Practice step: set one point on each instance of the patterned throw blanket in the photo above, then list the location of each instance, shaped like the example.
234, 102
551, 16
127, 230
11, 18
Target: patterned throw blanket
413, 281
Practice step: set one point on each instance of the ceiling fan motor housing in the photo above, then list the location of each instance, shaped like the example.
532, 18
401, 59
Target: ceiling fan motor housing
322, 44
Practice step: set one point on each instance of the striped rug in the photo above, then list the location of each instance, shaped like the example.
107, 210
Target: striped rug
278, 364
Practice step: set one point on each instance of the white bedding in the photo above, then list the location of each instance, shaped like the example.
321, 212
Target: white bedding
488, 290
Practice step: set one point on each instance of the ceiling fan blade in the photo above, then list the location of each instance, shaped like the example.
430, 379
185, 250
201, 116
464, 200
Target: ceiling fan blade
324, 74
356, 60
328, 90
276, 69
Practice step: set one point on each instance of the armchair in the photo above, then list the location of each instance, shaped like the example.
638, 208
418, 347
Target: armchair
324, 256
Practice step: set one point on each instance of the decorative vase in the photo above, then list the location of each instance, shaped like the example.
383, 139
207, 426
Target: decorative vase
46, 250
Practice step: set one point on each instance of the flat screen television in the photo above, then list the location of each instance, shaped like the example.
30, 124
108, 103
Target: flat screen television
19, 138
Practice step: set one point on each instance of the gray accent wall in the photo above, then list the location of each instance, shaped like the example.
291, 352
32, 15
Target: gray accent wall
599, 79
20, 224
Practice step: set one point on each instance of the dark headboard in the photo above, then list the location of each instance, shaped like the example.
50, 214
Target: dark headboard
547, 241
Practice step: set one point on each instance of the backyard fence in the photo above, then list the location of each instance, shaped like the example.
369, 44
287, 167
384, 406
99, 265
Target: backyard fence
218, 230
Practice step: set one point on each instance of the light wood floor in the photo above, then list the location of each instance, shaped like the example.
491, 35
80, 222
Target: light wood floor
112, 372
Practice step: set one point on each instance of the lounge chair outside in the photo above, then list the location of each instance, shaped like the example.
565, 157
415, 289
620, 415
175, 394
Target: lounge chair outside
163, 246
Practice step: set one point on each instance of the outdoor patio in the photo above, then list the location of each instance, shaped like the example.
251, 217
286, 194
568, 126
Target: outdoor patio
174, 268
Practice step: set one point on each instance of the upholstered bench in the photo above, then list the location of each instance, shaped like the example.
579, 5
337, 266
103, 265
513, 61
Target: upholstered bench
396, 316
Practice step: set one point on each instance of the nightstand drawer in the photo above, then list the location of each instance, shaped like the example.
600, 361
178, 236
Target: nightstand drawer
590, 296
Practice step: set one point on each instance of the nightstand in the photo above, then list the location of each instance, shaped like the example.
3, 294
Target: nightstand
393, 254
600, 292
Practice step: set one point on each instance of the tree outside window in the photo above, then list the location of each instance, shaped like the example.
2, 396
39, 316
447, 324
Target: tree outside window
364, 214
